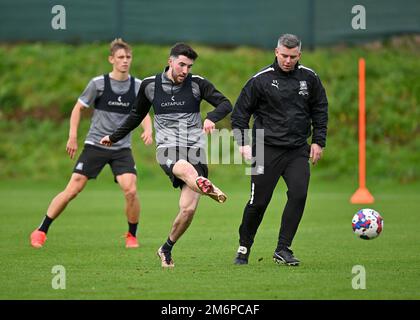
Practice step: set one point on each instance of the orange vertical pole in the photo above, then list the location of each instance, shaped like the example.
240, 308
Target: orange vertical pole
362, 125
362, 194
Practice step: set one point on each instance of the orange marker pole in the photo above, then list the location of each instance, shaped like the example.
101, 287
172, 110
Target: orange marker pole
362, 194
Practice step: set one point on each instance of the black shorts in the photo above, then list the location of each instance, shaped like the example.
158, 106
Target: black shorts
92, 160
167, 157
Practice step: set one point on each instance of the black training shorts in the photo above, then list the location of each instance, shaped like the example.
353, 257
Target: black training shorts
92, 160
167, 157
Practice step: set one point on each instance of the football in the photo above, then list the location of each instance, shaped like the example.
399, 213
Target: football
367, 224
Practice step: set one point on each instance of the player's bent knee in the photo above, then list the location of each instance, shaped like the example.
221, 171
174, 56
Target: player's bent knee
130, 194
184, 169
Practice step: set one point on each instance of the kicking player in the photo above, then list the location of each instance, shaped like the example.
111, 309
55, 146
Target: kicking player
176, 95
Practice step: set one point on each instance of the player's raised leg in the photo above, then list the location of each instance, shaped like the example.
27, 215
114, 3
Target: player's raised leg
186, 172
58, 204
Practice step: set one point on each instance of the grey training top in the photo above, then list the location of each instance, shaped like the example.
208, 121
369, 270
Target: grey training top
171, 128
104, 122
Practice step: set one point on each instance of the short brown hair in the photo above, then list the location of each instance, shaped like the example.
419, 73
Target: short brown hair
118, 44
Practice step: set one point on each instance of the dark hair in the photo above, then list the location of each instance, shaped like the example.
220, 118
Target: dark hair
182, 49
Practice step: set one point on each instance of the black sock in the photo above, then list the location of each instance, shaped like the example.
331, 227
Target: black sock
45, 224
132, 228
167, 246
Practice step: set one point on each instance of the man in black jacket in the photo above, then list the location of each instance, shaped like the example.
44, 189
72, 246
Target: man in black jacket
289, 105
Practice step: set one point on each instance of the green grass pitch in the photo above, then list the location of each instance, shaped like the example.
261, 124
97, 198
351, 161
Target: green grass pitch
87, 241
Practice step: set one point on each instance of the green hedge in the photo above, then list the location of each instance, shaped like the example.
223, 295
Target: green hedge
41, 82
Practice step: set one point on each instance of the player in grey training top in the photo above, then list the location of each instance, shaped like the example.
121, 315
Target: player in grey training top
176, 95
113, 96
104, 121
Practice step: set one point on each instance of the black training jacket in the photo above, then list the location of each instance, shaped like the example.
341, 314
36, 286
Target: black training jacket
289, 106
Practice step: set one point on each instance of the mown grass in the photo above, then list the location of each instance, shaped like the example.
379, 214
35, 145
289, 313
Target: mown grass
87, 241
